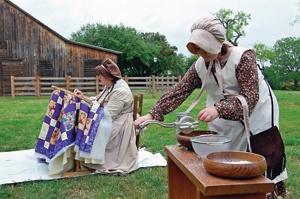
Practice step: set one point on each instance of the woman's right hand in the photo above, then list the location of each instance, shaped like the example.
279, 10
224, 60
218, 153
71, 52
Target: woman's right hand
142, 119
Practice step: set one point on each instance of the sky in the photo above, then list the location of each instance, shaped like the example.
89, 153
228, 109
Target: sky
270, 19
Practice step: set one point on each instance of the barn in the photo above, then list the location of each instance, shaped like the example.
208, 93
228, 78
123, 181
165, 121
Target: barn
29, 48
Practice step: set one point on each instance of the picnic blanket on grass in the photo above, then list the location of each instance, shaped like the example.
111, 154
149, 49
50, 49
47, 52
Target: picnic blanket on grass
22, 166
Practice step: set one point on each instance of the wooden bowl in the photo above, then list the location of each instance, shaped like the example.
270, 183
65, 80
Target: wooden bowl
185, 139
235, 164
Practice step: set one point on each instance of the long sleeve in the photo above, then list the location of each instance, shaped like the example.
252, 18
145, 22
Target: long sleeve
176, 95
247, 76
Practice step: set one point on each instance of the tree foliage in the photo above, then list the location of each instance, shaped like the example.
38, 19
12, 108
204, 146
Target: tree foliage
138, 49
297, 17
263, 54
287, 60
234, 24
274, 78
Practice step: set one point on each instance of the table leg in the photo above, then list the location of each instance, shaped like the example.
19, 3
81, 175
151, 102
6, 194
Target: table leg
179, 185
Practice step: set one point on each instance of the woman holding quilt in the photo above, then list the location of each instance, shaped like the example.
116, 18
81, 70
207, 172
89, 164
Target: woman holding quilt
100, 134
121, 151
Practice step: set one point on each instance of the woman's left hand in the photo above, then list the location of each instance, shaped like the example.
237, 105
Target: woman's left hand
77, 92
208, 114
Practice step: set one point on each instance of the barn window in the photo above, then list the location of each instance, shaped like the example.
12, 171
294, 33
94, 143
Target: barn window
89, 67
45, 68
3, 49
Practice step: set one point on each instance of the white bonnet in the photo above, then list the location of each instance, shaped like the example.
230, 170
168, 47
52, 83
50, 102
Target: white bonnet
208, 34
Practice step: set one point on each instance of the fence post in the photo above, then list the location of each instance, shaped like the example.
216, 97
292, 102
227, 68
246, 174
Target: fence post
12, 85
38, 86
153, 90
68, 82
126, 79
97, 85
173, 80
179, 78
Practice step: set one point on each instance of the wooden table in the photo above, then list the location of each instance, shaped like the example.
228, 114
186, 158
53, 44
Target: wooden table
188, 179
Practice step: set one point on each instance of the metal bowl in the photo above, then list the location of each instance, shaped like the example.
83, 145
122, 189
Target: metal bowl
185, 139
235, 164
205, 144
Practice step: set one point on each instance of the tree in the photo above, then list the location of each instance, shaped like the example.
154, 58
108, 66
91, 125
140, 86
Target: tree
234, 24
273, 77
165, 53
138, 49
263, 54
287, 60
297, 17
120, 38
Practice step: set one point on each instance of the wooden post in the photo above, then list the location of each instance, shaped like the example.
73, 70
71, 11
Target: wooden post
12, 85
97, 85
126, 79
173, 81
68, 82
38, 86
153, 90
179, 78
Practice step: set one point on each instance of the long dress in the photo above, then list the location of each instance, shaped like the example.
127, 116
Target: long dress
101, 137
230, 125
121, 152
260, 119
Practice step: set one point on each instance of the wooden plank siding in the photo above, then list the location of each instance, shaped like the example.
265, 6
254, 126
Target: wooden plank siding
39, 50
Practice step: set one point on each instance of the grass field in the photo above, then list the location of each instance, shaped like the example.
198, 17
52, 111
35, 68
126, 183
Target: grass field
20, 123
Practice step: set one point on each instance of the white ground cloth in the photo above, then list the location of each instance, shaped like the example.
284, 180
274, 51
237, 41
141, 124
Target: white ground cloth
21, 166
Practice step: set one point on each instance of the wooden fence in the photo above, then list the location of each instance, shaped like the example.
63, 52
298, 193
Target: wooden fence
37, 86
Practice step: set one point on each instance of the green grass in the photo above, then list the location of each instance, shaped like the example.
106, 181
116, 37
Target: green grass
21, 120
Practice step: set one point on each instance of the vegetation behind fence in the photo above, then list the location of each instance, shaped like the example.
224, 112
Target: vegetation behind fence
37, 86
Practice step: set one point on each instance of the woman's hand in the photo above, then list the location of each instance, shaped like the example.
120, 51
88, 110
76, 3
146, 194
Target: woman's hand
208, 114
142, 119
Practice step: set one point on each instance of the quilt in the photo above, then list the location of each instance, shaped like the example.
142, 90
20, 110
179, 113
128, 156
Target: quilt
68, 121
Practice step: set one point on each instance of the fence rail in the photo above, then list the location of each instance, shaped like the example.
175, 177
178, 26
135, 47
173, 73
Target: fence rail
37, 86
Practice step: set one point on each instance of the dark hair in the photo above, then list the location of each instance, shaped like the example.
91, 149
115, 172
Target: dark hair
224, 49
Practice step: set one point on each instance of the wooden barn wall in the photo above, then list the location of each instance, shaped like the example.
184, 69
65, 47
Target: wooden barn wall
31, 43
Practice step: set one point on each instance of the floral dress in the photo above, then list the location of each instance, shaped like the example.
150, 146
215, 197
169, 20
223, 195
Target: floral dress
229, 108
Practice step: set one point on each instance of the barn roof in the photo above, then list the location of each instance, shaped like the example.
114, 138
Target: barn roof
60, 36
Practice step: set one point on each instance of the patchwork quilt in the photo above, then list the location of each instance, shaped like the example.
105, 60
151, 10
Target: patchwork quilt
68, 121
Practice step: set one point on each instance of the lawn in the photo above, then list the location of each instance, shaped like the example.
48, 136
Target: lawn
21, 120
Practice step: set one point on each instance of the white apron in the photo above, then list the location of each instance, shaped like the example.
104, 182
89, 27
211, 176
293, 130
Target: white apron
260, 117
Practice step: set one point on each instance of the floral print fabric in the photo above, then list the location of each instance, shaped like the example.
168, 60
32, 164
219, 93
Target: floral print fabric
68, 120
231, 108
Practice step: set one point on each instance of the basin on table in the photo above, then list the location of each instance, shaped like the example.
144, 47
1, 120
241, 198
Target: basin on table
185, 139
235, 164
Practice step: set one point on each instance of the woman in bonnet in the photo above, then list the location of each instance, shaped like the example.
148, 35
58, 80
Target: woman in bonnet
235, 70
121, 151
